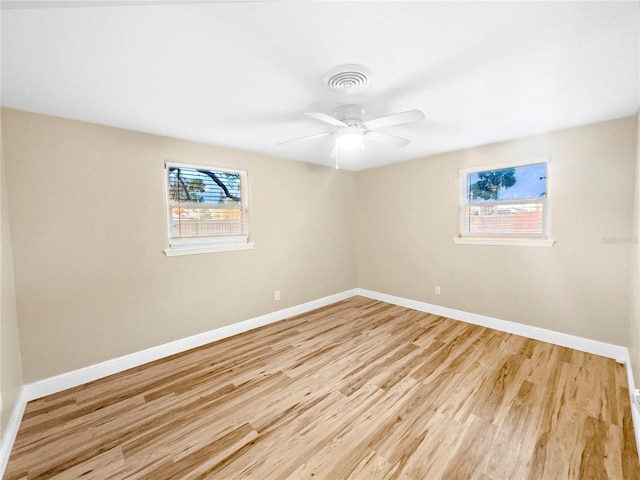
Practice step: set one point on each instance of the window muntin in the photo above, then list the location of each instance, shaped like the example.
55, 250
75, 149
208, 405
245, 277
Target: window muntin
506, 202
206, 206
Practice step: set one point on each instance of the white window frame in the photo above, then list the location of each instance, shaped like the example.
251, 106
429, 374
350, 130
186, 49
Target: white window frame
197, 245
515, 239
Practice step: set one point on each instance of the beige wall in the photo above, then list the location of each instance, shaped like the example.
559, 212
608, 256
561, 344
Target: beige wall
10, 359
89, 229
634, 337
408, 215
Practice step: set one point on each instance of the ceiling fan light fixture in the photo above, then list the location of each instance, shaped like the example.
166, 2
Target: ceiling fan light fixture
350, 139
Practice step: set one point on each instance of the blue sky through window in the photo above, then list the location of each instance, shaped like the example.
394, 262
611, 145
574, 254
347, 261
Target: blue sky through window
531, 182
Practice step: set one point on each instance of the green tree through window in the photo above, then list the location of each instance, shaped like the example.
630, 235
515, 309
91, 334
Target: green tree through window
190, 185
509, 201
206, 208
489, 183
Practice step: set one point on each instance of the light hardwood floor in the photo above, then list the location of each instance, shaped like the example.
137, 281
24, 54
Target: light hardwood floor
358, 389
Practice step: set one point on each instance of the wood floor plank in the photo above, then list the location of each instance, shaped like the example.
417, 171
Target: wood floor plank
360, 389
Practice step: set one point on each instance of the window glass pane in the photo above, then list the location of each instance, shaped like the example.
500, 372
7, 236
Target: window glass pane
529, 181
205, 206
203, 186
520, 218
206, 222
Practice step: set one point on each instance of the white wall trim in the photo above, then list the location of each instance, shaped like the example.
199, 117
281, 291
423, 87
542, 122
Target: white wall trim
58, 383
515, 242
11, 429
81, 376
176, 251
635, 413
618, 353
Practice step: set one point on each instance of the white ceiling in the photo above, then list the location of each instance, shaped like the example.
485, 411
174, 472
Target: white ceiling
241, 74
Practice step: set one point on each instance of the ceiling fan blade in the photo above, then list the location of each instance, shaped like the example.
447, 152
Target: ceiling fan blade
395, 119
323, 117
308, 137
387, 139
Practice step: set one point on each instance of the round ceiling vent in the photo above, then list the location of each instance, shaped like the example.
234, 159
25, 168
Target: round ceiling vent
347, 78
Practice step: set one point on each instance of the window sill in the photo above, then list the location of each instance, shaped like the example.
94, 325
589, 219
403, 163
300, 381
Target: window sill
197, 249
519, 242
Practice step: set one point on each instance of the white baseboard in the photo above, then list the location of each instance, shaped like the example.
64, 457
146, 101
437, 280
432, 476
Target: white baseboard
81, 376
58, 383
11, 429
635, 413
616, 352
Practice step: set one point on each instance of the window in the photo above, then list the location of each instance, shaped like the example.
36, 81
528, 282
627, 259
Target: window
207, 209
505, 205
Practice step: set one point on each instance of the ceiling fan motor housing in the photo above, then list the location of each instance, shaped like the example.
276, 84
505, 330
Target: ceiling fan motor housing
352, 115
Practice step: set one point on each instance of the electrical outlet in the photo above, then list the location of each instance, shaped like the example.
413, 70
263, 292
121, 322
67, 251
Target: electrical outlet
276, 295
438, 290
636, 397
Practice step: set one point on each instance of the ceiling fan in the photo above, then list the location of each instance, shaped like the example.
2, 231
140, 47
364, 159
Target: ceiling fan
351, 128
